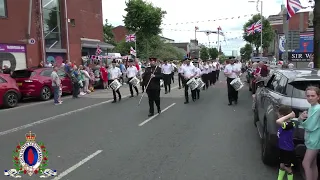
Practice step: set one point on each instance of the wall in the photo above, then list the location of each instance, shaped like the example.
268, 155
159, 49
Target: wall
119, 33
14, 29
88, 24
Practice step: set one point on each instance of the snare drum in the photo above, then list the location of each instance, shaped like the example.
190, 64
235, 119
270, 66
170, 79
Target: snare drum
193, 83
236, 84
200, 83
115, 85
134, 81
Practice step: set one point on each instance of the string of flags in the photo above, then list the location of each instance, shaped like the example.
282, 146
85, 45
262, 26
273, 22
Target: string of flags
185, 30
210, 20
225, 40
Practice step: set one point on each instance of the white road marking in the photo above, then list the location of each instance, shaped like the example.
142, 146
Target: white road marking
152, 117
74, 167
54, 117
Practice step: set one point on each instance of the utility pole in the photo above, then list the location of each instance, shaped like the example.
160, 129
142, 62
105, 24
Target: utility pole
285, 55
316, 31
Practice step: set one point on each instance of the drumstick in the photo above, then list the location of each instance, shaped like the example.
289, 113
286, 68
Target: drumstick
147, 86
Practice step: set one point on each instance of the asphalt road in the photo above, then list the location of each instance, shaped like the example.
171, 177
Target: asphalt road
91, 139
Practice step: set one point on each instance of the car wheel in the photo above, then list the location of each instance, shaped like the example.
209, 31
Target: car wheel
11, 99
268, 153
45, 93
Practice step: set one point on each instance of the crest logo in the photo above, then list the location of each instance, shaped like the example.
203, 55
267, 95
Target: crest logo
30, 158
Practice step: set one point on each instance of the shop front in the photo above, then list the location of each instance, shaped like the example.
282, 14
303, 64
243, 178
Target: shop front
13, 55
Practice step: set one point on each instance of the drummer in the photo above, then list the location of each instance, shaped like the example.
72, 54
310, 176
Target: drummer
188, 72
115, 74
199, 73
132, 72
232, 71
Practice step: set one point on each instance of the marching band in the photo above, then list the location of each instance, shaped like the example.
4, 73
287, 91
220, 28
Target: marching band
194, 75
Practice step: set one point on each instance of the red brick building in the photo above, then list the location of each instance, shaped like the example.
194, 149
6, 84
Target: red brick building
119, 33
56, 31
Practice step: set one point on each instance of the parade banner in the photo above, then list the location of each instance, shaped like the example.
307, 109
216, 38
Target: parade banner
303, 53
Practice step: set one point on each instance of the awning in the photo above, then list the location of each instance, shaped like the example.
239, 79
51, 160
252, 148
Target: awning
93, 43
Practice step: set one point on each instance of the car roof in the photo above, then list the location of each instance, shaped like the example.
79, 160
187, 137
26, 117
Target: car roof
300, 74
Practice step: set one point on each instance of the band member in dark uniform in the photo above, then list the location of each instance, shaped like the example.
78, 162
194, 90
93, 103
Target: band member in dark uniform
115, 73
153, 89
132, 72
167, 69
231, 71
188, 72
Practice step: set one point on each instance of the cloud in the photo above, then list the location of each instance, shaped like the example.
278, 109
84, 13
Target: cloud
180, 11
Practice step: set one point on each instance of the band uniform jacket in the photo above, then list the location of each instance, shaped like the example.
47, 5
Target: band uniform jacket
155, 81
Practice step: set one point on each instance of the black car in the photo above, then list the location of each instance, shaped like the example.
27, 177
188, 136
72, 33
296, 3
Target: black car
285, 87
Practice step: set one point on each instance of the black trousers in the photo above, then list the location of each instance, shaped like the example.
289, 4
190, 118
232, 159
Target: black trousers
210, 78
172, 77
217, 74
186, 93
167, 82
214, 77
197, 93
232, 93
114, 92
75, 89
130, 87
154, 98
180, 80
205, 80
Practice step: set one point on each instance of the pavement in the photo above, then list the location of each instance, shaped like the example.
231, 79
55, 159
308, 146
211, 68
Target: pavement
91, 139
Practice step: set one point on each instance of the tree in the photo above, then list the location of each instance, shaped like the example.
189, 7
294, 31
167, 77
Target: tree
213, 53
123, 47
204, 54
107, 33
143, 18
52, 22
246, 52
255, 39
316, 26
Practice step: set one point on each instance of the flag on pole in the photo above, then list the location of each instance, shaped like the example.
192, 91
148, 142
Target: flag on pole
131, 38
255, 27
98, 51
133, 52
293, 6
196, 28
220, 31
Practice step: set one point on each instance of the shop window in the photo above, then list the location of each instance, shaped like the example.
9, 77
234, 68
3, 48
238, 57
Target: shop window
3, 8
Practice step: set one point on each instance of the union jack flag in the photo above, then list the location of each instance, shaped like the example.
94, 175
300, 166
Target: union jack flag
98, 51
255, 27
131, 38
293, 6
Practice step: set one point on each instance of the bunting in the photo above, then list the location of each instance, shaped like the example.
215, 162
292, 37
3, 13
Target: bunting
210, 20
188, 30
225, 40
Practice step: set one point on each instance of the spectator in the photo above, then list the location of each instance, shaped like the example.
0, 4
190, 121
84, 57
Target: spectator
56, 82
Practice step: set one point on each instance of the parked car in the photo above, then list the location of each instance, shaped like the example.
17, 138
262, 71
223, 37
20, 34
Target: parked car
285, 87
9, 91
36, 82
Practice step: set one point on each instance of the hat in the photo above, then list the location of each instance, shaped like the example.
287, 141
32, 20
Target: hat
152, 59
131, 60
114, 61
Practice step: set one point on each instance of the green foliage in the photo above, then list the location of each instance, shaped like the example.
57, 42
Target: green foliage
52, 22
107, 33
123, 47
255, 39
246, 52
204, 54
143, 18
213, 53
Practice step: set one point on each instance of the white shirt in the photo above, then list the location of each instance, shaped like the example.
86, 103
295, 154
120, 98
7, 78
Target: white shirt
230, 68
214, 66
290, 66
173, 66
132, 71
166, 68
204, 69
188, 71
311, 65
198, 71
115, 73
180, 69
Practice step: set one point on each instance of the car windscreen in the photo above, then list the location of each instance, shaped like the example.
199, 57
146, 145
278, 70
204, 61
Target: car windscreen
299, 88
22, 74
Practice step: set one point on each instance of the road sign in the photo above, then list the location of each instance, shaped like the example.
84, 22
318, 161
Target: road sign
32, 41
293, 40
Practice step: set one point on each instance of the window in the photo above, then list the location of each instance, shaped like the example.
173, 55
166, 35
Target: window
52, 23
281, 88
61, 73
2, 80
299, 88
46, 73
3, 8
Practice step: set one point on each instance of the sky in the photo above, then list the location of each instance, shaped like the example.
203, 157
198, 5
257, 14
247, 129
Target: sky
185, 15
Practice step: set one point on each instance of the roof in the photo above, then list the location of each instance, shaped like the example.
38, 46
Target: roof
166, 38
301, 74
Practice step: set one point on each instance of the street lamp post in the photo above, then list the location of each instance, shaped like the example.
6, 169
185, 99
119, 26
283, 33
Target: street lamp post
260, 11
